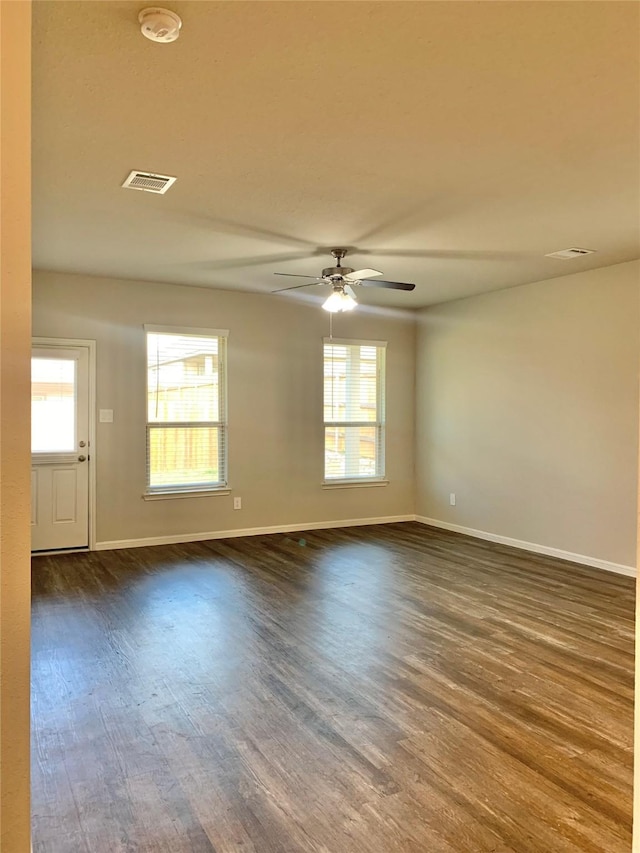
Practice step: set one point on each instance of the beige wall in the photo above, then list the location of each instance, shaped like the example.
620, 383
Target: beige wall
527, 409
15, 339
275, 403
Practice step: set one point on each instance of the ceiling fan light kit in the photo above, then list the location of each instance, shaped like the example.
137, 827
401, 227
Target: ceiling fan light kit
339, 278
339, 301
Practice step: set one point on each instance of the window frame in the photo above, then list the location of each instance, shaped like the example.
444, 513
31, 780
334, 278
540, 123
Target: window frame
220, 486
379, 478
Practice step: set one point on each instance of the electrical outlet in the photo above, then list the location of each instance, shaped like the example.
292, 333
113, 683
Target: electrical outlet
237, 503
452, 499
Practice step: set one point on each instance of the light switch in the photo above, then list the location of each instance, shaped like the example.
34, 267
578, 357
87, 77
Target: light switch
106, 416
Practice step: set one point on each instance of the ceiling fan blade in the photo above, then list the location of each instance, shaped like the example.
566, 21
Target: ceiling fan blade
295, 275
392, 285
296, 286
358, 275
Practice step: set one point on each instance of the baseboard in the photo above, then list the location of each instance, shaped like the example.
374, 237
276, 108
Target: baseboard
594, 562
248, 531
181, 538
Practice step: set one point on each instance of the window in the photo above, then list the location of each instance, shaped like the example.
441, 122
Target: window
186, 410
353, 410
53, 405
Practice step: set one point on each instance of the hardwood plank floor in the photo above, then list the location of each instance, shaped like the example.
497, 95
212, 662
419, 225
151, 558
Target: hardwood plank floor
365, 690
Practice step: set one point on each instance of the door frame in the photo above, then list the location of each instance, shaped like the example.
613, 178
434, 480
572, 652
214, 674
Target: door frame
39, 341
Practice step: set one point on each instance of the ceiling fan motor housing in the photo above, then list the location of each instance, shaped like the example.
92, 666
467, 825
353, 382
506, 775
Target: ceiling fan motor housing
340, 272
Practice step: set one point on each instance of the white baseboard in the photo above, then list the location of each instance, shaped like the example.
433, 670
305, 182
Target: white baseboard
594, 562
248, 531
181, 538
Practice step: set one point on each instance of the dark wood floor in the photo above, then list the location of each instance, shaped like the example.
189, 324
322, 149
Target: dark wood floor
368, 690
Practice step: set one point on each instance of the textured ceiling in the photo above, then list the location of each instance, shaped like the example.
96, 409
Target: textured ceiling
450, 144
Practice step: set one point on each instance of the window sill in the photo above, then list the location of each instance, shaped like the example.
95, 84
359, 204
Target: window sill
185, 493
353, 484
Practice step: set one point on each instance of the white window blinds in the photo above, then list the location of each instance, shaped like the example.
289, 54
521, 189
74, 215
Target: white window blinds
354, 414
186, 409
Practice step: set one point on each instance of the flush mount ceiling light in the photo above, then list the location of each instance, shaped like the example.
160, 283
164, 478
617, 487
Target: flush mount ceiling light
161, 25
339, 300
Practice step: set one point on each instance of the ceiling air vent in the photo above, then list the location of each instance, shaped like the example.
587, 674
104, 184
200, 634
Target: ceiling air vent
567, 254
148, 182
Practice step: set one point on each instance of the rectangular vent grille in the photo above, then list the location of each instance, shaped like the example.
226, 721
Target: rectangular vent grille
148, 182
567, 254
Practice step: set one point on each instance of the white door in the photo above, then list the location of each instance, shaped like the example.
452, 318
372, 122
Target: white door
59, 447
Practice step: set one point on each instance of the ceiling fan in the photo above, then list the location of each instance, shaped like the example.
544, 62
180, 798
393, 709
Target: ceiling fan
341, 279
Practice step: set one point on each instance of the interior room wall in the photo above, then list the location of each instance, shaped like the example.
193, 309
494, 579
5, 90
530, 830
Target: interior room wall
527, 410
15, 347
275, 391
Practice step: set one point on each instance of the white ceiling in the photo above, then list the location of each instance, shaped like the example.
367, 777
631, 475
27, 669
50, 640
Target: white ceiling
450, 144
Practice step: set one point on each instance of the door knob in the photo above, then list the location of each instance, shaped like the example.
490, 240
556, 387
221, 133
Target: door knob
81, 458
82, 443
